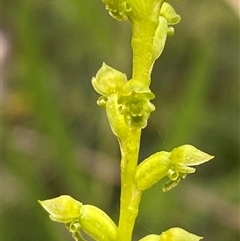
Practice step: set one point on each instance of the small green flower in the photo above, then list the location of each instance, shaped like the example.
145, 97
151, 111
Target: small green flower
135, 104
63, 209
175, 165
108, 80
182, 158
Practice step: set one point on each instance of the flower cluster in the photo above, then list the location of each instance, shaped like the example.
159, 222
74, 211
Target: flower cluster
175, 165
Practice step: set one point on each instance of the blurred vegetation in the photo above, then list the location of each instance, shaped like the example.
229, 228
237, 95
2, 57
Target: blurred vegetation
56, 140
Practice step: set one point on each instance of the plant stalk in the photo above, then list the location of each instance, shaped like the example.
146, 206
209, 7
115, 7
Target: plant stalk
143, 33
130, 195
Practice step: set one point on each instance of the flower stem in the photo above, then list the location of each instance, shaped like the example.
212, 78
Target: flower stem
143, 32
142, 41
130, 195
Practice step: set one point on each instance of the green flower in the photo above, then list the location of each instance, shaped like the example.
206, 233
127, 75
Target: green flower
175, 165
107, 81
134, 104
182, 159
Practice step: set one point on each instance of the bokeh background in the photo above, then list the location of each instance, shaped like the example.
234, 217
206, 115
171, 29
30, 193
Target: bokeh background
56, 140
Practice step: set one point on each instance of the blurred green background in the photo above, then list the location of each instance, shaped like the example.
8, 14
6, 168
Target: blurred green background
56, 140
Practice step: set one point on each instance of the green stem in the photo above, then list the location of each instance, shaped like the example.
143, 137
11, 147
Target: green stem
143, 33
142, 42
130, 195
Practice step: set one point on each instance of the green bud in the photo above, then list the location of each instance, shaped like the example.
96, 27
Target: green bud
152, 169
178, 234
63, 209
97, 224
168, 12
108, 80
151, 237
